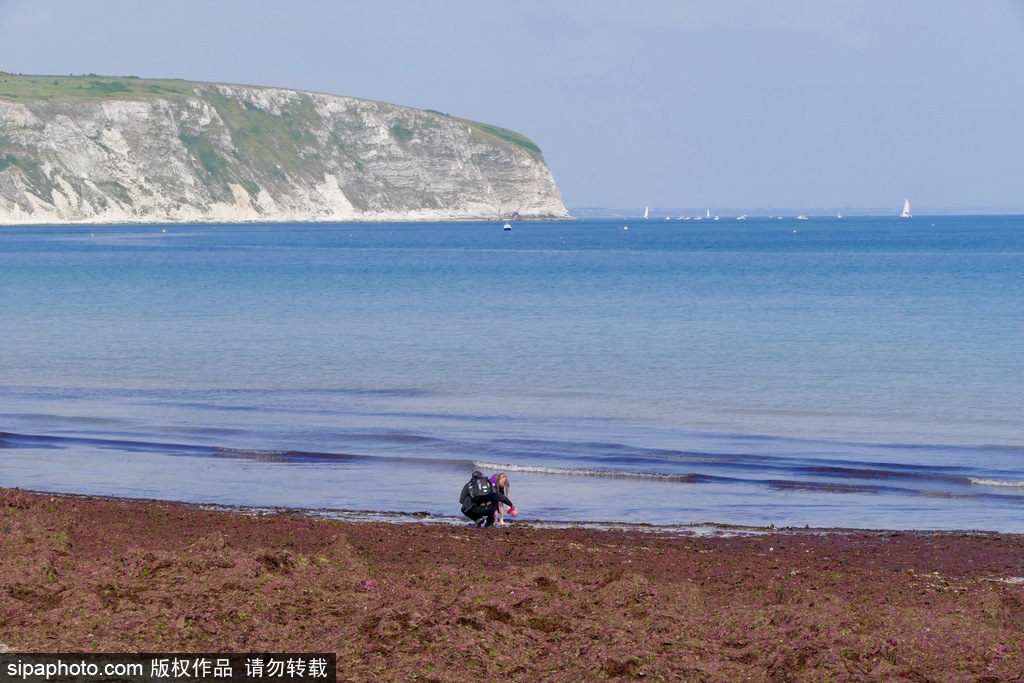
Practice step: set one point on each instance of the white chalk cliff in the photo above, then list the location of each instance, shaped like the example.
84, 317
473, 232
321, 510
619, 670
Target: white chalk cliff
170, 151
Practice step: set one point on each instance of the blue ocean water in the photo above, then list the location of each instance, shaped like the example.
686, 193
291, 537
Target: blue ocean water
863, 372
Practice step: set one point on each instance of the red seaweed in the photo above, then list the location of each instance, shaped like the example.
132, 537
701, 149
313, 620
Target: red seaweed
449, 603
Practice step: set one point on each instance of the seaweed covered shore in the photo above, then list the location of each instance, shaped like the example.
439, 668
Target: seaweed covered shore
437, 602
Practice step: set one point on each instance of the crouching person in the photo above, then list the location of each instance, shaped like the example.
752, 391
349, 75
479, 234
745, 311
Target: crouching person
479, 500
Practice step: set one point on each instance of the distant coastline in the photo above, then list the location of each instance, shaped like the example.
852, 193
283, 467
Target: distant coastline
659, 213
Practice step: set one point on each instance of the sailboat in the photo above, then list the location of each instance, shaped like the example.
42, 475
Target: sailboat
906, 209
647, 212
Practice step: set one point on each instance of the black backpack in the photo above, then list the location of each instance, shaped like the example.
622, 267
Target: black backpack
480, 489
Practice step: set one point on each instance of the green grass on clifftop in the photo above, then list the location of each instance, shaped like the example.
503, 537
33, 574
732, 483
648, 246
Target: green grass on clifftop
503, 133
506, 134
87, 88
93, 88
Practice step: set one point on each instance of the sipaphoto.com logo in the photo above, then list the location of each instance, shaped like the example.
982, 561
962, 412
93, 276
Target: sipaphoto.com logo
61, 669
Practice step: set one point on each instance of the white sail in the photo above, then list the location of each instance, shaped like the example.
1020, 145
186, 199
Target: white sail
906, 209
647, 211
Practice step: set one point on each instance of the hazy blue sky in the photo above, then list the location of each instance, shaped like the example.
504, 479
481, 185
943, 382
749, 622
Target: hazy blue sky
667, 103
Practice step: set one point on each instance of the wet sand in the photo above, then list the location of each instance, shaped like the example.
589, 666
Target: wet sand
440, 602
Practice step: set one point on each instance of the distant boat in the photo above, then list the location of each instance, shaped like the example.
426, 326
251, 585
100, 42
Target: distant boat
839, 214
801, 217
647, 212
742, 217
508, 226
709, 213
906, 209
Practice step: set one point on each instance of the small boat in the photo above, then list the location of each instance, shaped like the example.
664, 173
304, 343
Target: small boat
839, 214
507, 226
906, 209
801, 217
647, 212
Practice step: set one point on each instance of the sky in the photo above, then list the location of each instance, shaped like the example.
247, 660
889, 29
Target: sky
805, 104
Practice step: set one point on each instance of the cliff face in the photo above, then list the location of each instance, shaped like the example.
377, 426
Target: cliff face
81, 150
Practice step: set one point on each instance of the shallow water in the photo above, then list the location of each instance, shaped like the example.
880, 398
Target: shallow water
863, 372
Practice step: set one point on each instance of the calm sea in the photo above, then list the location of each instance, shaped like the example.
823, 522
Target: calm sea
863, 372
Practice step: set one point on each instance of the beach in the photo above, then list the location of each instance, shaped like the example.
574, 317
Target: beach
444, 602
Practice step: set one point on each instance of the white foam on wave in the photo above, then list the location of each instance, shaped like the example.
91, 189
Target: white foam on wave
248, 451
571, 472
996, 482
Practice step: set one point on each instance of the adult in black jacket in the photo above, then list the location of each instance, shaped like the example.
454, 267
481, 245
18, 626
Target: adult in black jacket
482, 508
